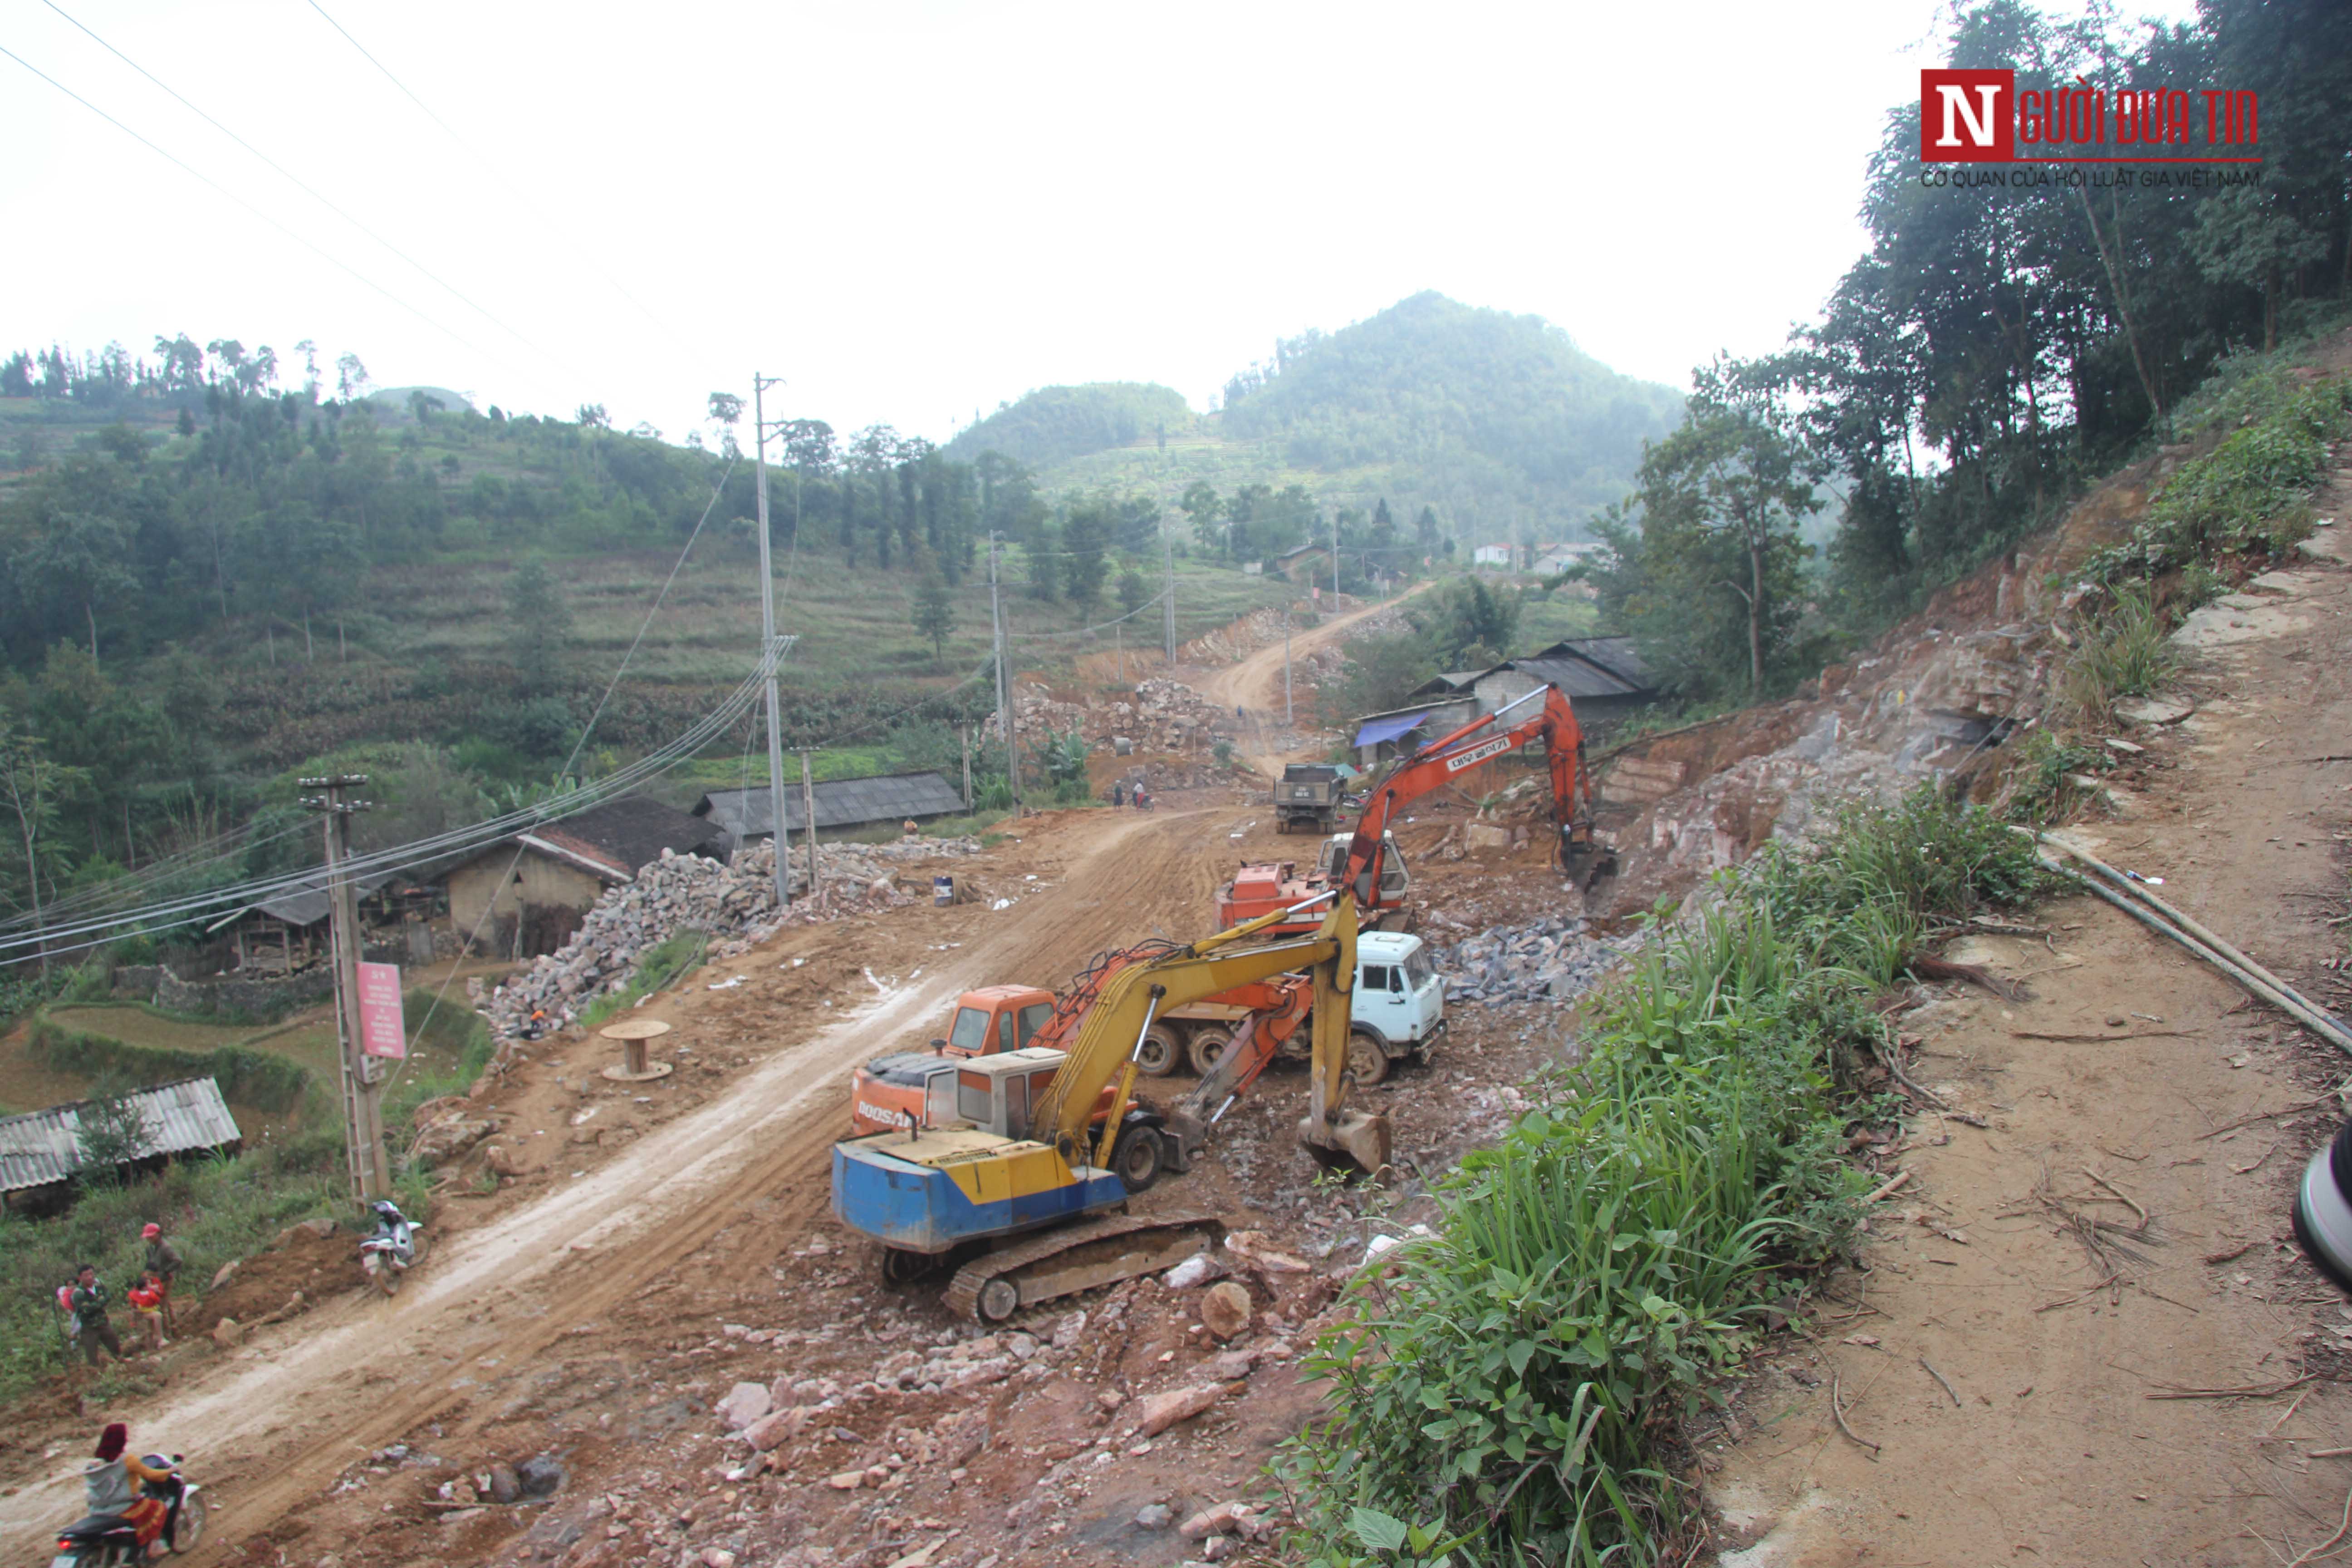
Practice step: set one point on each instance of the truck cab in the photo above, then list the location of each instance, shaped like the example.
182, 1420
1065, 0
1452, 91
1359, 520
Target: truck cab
1400, 999
1308, 797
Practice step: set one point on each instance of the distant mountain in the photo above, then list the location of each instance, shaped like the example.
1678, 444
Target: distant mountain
1498, 421
1056, 424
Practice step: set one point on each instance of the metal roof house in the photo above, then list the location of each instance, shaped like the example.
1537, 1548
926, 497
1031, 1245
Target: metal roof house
41, 1152
1604, 678
747, 815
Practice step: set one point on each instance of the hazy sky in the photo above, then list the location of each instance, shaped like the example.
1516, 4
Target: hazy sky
916, 211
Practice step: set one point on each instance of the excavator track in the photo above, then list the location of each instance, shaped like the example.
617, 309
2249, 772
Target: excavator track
1076, 1257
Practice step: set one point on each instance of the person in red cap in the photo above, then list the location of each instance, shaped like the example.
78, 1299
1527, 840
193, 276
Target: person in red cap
110, 1484
162, 1264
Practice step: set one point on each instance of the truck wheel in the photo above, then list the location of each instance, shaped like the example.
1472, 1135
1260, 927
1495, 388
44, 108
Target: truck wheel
1366, 1059
1137, 1158
1282, 825
1208, 1049
1159, 1053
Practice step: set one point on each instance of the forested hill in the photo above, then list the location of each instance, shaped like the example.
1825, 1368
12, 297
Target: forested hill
1054, 423
1498, 422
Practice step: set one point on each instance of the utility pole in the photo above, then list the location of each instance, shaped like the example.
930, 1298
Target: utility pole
370, 1172
769, 652
1168, 545
808, 821
963, 733
1004, 707
1288, 723
1335, 562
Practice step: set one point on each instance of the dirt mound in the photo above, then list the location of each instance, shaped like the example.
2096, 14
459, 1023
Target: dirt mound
317, 1266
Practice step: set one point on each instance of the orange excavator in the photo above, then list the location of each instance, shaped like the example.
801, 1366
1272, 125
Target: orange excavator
1362, 862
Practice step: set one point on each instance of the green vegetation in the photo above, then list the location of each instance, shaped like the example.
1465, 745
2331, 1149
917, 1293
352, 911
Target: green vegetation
1054, 423
1497, 423
259, 1079
449, 1046
214, 1210
1511, 1384
672, 958
1989, 358
2122, 652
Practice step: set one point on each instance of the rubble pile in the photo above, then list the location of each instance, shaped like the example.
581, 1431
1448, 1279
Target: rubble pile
734, 903
1546, 959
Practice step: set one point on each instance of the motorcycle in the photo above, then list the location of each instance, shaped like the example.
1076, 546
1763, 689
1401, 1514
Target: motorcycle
107, 1539
394, 1248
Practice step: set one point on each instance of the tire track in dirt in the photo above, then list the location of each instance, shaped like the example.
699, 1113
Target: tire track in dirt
1256, 683
272, 1432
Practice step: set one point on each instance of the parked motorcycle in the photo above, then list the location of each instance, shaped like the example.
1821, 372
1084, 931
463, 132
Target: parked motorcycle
395, 1246
108, 1540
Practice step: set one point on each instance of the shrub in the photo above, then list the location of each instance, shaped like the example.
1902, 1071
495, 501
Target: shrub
246, 1076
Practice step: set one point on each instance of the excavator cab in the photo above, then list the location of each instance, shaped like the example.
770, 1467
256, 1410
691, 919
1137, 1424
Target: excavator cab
1396, 878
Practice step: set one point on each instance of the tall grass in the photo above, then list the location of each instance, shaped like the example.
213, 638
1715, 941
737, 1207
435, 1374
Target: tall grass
1512, 1385
2123, 653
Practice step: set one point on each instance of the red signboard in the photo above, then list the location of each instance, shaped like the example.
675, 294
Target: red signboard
381, 1033
1966, 116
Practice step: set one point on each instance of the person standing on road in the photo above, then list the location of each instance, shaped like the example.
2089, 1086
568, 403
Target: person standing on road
1118, 795
164, 1265
89, 1327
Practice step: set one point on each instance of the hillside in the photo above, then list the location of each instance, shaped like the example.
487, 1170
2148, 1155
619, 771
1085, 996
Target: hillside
1497, 421
1056, 424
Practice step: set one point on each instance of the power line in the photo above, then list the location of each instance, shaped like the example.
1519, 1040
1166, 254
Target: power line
307, 190
579, 250
340, 265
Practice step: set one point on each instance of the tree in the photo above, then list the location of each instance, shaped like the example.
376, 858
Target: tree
32, 788
541, 625
935, 612
1040, 557
1424, 529
1720, 500
351, 377
81, 560
1087, 540
593, 416
1133, 591
1202, 503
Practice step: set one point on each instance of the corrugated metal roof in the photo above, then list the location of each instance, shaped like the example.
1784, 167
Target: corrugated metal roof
305, 903
1617, 655
181, 1118
840, 802
1576, 677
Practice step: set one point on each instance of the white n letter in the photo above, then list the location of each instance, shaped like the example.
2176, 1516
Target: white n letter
1955, 102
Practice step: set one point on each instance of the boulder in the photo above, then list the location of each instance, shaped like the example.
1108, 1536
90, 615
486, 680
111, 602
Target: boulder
228, 1272
505, 1487
766, 1432
1225, 1309
1225, 1518
1250, 1246
744, 1403
228, 1333
1231, 1366
1154, 1516
1197, 1269
540, 1476
1162, 1411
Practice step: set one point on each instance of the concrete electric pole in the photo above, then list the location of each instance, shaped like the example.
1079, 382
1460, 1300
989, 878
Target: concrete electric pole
365, 1159
769, 652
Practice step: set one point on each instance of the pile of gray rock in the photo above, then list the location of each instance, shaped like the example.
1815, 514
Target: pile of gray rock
1550, 959
734, 903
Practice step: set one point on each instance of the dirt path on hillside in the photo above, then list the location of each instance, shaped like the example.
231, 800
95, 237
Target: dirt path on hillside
1254, 686
2067, 1433
271, 1426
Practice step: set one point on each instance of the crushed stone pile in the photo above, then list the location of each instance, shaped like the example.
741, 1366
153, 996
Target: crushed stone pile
734, 903
1549, 959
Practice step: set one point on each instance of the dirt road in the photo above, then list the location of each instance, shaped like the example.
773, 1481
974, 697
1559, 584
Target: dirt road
1254, 686
2083, 1413
273, 1424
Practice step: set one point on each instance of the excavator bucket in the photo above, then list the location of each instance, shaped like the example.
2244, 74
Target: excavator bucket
1355, 1141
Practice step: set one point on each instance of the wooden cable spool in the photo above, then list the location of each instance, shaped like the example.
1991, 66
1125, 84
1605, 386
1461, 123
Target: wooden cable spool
633, 1067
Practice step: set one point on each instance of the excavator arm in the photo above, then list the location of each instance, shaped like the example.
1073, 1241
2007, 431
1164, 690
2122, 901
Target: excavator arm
1446, 759
1103, 1048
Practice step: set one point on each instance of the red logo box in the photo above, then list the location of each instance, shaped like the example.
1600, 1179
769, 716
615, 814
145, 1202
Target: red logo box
1968, 117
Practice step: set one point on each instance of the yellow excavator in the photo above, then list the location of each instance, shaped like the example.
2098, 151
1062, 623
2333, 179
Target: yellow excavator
1020, 1186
